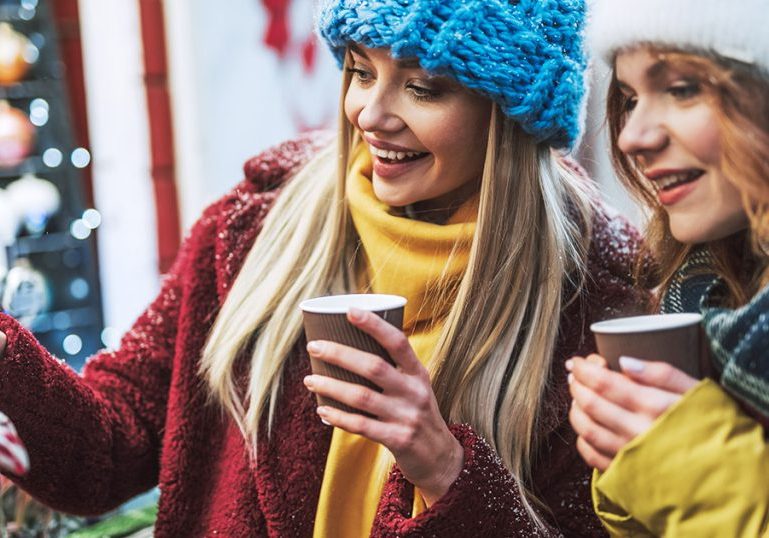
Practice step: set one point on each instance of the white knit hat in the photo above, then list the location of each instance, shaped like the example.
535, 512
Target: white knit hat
734, 29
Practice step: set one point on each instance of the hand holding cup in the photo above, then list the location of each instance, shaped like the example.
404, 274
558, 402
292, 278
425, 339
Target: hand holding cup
396, 407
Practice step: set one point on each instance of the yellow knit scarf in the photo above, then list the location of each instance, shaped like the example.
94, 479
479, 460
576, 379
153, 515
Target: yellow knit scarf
422, 262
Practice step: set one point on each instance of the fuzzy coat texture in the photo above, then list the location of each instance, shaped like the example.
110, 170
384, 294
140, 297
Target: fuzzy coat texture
140, 416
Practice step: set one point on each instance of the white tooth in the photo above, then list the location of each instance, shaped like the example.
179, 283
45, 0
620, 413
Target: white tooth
392, 155
401, 155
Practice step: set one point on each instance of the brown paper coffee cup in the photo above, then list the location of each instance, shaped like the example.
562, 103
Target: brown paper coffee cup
325, 318
677, 339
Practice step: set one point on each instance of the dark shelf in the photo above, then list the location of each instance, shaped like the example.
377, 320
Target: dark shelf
31, 164
62, 259
65, 320
27, 89
11, 13
50, 242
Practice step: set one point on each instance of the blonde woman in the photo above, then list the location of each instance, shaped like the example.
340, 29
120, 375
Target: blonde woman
446, 186
689, 121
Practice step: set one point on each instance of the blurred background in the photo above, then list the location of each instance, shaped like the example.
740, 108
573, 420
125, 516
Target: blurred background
120, 120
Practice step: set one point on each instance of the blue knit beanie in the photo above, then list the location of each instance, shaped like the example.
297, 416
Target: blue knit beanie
525, 55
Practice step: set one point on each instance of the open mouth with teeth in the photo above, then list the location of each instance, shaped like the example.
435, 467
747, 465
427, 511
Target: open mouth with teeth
391, 157
676, 180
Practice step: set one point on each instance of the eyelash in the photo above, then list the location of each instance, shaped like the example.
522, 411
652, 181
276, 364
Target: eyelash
418, 93
360, 75
685, 91
421, 93
629, 104
680, 92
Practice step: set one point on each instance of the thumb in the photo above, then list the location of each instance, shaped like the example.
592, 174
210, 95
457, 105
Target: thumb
659, 375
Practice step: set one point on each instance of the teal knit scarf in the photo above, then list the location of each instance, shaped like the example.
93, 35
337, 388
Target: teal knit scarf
739, 338
739, 341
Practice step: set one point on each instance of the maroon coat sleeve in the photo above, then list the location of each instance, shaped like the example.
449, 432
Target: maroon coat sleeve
93, 440
482, 501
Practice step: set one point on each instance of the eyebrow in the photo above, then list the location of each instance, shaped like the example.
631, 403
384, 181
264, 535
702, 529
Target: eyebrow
653, 72
401, 63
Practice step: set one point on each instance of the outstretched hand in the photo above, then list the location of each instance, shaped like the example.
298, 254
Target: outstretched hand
407, 420
609, 409
13, 455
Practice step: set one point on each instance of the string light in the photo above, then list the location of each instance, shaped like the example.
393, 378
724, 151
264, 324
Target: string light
110, 337
79, 229
38, 112
72, 344
52, 157
79, 288
92, 218
80, 158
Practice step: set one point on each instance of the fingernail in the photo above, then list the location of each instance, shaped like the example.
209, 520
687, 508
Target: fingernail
322, 413
356, 314
314, 347
570, 378
629, 364
308, 381
569, 364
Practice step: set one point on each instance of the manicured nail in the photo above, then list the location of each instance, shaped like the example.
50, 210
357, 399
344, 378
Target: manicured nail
570, 378
356, 314
629, 364
322, 414
569, 364
314, 347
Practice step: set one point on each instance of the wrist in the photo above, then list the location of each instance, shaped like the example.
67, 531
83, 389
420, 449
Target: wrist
450, 465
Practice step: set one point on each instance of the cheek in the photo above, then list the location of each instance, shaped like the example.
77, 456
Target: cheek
352, 106
719, 213
462, 138
704, 136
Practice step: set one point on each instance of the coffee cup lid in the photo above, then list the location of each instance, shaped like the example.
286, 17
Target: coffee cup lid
637, 324
340, 304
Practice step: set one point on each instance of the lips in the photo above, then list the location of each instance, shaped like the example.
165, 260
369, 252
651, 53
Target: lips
673, 185
670, 180
391, 156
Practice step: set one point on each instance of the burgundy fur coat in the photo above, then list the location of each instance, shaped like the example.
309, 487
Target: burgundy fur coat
140, 417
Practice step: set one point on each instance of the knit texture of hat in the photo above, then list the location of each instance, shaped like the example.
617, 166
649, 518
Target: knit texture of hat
734, 29
525, 55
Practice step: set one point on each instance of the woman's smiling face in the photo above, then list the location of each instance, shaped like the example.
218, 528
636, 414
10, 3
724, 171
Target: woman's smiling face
427, 135
673, 134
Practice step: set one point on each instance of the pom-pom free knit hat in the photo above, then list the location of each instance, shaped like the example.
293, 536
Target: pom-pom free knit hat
734, 29
525, 55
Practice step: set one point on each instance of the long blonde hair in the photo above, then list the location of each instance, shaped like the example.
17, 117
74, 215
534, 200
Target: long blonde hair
492, 362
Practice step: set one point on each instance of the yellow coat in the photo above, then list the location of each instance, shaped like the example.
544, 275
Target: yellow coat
701, 470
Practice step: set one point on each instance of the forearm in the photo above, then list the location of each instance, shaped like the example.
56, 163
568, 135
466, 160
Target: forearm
79, 443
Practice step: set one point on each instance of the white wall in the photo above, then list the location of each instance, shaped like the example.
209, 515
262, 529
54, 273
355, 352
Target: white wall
232, 97
117, 121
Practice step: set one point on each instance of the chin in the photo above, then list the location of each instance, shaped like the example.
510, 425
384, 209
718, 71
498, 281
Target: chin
390, 196
693, 235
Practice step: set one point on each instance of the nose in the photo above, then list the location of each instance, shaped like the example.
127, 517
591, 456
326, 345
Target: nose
379, 112
644, 132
